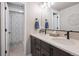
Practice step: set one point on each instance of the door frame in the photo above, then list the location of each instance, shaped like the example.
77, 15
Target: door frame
2, 29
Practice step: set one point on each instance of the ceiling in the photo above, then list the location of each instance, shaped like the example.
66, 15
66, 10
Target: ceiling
57, 5
63, 5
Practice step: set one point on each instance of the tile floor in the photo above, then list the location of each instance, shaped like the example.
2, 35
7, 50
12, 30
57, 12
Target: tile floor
16, 49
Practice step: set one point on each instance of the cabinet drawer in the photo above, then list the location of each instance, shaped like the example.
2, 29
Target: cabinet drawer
45, 46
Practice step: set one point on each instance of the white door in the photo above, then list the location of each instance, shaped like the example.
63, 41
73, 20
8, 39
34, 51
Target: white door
7, 30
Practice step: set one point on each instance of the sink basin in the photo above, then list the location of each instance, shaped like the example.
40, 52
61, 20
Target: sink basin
54, 35
66, 42
63, 40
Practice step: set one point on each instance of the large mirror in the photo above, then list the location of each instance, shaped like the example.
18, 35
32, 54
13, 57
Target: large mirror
61, 15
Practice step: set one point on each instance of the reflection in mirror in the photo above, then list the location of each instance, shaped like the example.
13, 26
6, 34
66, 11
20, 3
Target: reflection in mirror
51, 15
61, 16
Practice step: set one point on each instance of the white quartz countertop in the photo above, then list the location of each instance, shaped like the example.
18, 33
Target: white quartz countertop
71, 46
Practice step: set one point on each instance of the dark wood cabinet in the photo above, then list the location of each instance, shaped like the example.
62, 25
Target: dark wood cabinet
33, 45
44, 52
41, 48
58, 52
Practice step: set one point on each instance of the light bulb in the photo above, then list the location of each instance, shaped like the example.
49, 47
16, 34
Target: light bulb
49, 4
44, 5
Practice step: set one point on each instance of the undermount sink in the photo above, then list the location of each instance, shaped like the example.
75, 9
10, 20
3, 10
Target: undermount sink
54, 35
63, 40
66, 42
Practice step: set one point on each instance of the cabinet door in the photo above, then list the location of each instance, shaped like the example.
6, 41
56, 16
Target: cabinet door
45, 49
37, 49
33, 45
58, 52
45, 46
38, 41
37, 53
44, 52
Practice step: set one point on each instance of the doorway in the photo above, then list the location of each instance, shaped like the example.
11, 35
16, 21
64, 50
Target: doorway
15, 29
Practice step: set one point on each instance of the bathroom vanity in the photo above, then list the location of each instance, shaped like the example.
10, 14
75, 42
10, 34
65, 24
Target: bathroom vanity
45, 45
41, 48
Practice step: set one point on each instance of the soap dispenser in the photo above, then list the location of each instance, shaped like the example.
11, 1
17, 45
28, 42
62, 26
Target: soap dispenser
36, 24
46, 24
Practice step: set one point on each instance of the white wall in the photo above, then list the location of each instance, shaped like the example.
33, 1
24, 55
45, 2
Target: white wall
32, 12
70, 18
